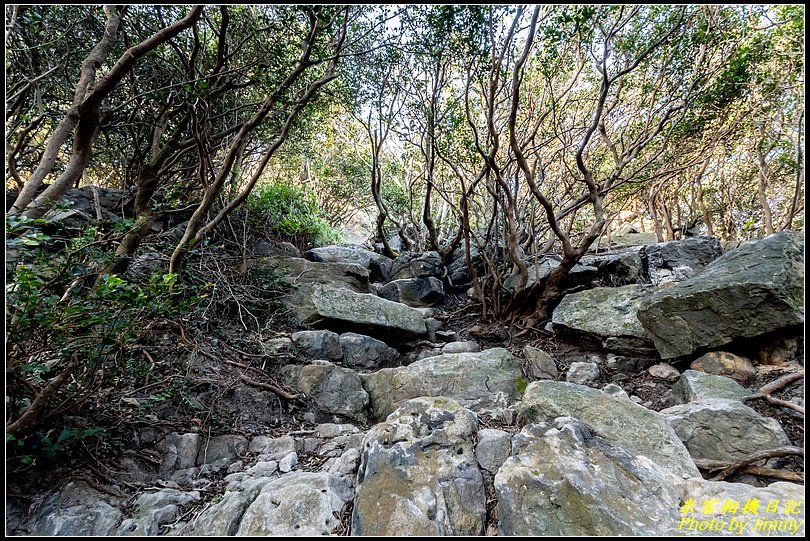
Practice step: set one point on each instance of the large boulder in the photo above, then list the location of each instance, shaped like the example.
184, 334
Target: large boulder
333, 389
323, 345
605, 317
156, 510
414, 291
562, 480
488, 379
753, 290
417, 265
378, 265
616, 269
366, 352
678, 260
76, 510
304, 274
419, 475
344, 310
694, 385
458, 274
722, 429
619, 421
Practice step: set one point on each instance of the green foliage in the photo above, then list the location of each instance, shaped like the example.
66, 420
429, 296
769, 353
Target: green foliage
291, 214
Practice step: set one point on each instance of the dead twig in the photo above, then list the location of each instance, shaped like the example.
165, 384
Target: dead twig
766, 390
280, 392
730, 467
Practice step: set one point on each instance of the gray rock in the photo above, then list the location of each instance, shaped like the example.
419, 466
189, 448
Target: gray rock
493, 448
678, 260
224, 517
582, 373
461, 347
296, 504
664, 371
541, 365
306, 274
605, 317
154, 509
619, 421
722, 429
414, 291
694, 385
279, 346
614, 390
458, 274
263, 468
274, 448
366, 352
346, 465
616, 269
338, 308
267, 247
333, 389
564, 481
179, 451
419, 474
753, 290
323, 345
484, 380
432, 329
378, 265
723, 363
286, 464
417, 265
76, 510
143, 266
229, 447
332, 430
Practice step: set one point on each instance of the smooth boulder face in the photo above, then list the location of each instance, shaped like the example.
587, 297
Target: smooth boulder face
366, 352
324, 345
378, 265
345, 310
417, 265
616, 269
723, 363
722, 429
605, 317
485, 380
694, 385
753, 290
580, 275
617, 420
333, 389
678, 260
76, 510
414, 291
296, 504
419, 475
564, 480
304, 274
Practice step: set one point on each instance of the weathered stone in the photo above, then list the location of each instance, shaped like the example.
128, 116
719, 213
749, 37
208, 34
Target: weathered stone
619, 421
458, 274
605, 317
722, 429
267, 247
419, 474
279, 346
346, 465
414, 291
229, 447
664, 371
332, 430
493, 448
694, 385
296, 504
76, 510
286, 464
678, 260
378, 265
154, 509
723, 363
344, 310
223, 517
333, 389
616, 269
366, 352
582, 373
274, 448
753, 290
322, 345
417, 265
305, 274
483, 380
565, 481
179, 451
541, 365
461, 347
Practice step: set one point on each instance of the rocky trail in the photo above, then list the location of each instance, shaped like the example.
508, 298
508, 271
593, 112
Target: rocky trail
395, 413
